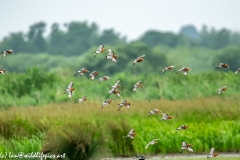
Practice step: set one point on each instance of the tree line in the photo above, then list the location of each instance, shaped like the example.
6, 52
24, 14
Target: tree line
75, 38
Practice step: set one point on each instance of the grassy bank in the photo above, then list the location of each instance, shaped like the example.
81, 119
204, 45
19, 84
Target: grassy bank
36, 86
86, 129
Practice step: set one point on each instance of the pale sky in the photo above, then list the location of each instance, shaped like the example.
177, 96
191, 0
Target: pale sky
128, 17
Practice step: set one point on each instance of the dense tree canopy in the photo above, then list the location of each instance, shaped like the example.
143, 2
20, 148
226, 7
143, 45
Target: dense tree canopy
75, 38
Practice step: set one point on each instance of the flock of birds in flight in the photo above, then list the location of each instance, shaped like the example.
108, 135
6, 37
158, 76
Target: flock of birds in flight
115, 90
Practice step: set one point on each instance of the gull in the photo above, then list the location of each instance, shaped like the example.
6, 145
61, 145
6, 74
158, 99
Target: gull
100, 49
165, 117
182, 127
93, 74
137, 85
152, 143
155, 111
187, 147
4, 53
106, 102
184, 70
224, 88
81, 71
2, 71
131, 134
168, 68
124, 103
111, 55
82, 99
138, 59
69, 90
222, 65
103, 79
212, 154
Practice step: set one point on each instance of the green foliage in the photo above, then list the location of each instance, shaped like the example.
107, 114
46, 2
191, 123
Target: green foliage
82, 131
76, 141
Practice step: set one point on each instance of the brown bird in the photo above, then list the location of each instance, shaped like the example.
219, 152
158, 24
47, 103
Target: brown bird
114, 91
2, 71
103, 79
165, 117
69, 90
222, 65
139, 59
187, 147
184, 70
93, 75
152, 143
182, 127
111, 55
106, 102
82, 99
131, 134
168, 68
116, 85
4, 53
100, 49
124, 103
137, 85
212, 154
224, 88
81, 71
155, 111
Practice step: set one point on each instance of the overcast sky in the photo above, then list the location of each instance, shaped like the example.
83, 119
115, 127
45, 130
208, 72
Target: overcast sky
128, 17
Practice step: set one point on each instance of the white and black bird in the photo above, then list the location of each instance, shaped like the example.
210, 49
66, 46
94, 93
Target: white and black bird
106, 102
93, 75
182, 127
4, 53
69, 90
111, 55
131, 134
138, 59
152, 143
100, 49
187, 147
137, 85
81, 71
212, 154
168, 68
105, 78
83, 99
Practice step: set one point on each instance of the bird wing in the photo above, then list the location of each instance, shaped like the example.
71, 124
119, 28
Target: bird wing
211, 152
131, 131
138, 82
141, 56
147, 145
184, 144
190, 149
70, 85
116, 84
110, 53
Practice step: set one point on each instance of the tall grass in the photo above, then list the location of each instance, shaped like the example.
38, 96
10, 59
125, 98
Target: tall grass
78, 129
36, 87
